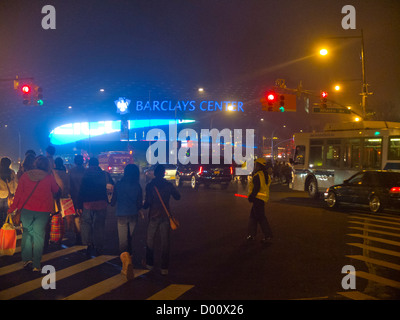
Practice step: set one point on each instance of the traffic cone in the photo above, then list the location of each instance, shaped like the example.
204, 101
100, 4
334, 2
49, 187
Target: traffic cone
127, 267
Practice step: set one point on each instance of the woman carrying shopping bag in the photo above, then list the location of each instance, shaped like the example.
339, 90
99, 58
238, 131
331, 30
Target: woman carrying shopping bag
35, 198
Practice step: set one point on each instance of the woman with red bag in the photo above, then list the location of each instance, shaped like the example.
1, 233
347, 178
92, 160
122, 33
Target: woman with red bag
35, 198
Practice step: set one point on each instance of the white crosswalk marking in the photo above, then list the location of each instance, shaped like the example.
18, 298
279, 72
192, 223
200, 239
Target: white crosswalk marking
88, 293
379, 247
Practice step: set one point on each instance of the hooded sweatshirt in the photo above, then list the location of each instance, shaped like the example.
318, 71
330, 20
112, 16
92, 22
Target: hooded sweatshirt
42, 198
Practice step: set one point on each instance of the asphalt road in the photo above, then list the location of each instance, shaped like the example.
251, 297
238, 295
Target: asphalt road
211, 260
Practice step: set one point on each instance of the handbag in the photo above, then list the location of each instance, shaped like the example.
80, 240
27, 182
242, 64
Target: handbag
56, 228
8, 237
172, 221
16, 218
10, 197
67, 207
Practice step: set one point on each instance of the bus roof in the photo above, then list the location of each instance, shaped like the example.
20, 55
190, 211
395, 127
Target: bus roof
341, 126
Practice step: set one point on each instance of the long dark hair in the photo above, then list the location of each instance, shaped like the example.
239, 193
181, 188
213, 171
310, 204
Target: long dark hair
5, 171
131, 173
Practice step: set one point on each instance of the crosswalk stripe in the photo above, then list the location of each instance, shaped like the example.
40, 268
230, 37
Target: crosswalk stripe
25, 287
376, 220
171, 292
52, 255
374, 225
391, 242
103, 287
384, 251
377, 231
378, 279
356, 295
381, 263
377, 217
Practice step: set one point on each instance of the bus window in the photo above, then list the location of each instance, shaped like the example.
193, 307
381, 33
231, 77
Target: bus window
333, 153
372, 157
299, 154
394, 148
355, 156
315, 159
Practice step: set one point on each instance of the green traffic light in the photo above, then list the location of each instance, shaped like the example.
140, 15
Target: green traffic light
282, 109
40, 102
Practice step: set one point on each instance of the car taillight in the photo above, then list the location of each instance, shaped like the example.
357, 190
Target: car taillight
395, 190
201, 170
109, 168
231, 170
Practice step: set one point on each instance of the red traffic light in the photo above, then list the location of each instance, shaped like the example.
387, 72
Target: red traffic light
271, 97
26, 89
324, 94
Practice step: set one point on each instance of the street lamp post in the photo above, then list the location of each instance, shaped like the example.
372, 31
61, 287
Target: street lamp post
364, 92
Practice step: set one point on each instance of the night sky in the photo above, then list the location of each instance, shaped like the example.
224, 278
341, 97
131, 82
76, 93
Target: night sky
157, 49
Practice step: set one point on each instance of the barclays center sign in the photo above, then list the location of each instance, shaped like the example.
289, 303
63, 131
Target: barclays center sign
185, 105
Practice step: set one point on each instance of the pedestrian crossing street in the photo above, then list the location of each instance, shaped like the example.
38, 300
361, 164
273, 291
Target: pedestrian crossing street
376, 244
77, 278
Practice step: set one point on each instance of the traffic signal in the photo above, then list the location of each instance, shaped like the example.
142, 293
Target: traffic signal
271, 99
26, 93
39, 96
282, 103
324, 99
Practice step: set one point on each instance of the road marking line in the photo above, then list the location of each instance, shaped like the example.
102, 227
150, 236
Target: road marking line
377, 231
377, 217
391, 242
378, 279
356, 295
376, 220
52, 255
381, 263
384, 251
374, 225
103, 287
172, 292
28, 286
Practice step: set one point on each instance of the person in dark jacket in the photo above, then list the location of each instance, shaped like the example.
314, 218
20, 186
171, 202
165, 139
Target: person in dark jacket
75, 180
92, 207
128, 198
158, 218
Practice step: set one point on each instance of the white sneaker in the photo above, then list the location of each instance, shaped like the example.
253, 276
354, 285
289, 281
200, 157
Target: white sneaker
164, 272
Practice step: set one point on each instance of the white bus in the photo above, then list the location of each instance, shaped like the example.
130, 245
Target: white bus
323, 159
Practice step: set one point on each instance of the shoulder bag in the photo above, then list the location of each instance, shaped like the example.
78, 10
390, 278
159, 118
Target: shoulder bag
172, 221
17, 215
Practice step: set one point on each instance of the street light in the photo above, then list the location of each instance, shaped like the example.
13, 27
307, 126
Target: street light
364, 92
323, 52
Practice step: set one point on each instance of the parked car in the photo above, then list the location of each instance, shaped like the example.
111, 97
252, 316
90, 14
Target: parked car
170, 172
206, 174
377, 189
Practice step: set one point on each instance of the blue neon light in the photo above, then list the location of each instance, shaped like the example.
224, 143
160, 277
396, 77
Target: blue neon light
73, 132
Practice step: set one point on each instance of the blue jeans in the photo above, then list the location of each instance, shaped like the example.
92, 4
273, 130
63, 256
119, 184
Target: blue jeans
161, 225
126, 226
34, 229
92, 227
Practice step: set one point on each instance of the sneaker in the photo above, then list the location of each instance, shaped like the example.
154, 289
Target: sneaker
149, 267
250, 238
164, 272
266, 239
27, 265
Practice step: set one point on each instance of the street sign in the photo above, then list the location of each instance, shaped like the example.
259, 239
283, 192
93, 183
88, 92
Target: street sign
331, 110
